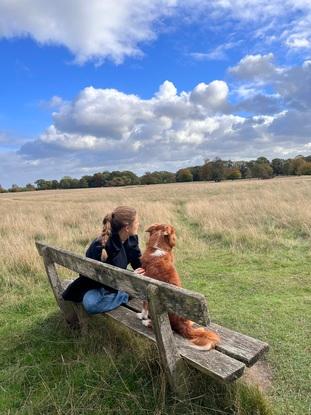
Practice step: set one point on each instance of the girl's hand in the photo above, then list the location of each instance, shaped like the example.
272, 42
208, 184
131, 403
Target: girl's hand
139, 271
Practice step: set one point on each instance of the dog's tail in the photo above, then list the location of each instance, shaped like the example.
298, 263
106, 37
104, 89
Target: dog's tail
200, 337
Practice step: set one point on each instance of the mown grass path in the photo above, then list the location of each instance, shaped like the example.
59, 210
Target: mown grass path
266, 295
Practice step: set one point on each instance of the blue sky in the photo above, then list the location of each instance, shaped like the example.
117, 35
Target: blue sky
150, 85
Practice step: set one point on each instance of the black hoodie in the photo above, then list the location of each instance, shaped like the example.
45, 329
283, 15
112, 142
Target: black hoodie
119, 254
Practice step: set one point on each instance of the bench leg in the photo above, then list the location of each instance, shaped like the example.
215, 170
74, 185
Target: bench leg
67, 307
171, 360
83, 317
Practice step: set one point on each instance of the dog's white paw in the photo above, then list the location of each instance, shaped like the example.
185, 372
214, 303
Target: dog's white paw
147, 323
143, 315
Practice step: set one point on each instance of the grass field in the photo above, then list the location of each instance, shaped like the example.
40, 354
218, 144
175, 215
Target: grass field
245, 245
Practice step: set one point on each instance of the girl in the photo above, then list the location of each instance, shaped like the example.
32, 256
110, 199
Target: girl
117, 245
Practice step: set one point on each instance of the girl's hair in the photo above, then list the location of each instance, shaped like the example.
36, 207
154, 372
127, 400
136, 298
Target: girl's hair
113, 222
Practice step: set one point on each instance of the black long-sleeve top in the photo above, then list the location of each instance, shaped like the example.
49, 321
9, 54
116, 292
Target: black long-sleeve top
119, 254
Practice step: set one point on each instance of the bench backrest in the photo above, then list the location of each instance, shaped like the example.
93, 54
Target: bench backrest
183, 302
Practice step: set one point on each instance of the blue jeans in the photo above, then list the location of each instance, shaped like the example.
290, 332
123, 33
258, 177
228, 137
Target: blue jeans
100, 300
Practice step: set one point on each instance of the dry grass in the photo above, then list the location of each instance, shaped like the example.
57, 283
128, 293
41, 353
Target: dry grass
218, 226
253, 213
260, 215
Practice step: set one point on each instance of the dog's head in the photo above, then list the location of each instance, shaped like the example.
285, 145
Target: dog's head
162, 234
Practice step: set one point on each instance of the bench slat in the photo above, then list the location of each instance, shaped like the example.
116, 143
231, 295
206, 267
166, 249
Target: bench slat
239, 346
177, 300
214, 363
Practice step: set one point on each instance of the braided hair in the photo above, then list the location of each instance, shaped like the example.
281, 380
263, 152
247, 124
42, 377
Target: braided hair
113, 222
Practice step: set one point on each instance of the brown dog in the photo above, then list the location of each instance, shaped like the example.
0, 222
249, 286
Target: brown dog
158, 262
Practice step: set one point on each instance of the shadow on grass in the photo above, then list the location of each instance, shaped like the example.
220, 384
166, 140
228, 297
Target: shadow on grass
52, 369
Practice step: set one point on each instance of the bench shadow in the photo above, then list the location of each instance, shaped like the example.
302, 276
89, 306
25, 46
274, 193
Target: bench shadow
130, 363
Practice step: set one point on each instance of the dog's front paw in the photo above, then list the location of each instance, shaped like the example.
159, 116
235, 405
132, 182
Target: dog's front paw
147, 323
140, 316
143, 315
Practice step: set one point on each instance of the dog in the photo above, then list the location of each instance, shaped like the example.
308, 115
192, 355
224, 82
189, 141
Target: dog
158, 263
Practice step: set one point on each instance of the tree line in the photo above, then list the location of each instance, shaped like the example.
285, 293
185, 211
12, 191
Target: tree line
212, 170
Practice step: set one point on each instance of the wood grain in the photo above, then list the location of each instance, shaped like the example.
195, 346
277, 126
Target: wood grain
178, 300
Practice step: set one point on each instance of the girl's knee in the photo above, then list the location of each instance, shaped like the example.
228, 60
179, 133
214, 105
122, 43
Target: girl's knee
90, 302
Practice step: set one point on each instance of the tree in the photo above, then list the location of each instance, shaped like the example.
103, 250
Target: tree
54, 184
98, 180
213, 170
232, 173
43, 184
65, 182
184, 175
263, 160
15, 188
307, 168
30, 187
245, 170
166, 177
150, 178
297, 166
278, 167
262, 170
86, 179
83, 183
196, 173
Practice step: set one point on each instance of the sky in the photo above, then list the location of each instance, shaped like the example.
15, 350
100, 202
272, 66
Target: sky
146, 85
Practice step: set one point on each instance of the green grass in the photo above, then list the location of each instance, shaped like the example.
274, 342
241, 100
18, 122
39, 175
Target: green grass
263, 294
48, 369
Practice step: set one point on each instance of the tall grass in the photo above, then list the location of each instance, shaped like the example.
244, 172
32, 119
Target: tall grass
245, 245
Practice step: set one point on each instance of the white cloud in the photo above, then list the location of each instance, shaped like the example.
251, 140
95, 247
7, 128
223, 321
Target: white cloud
295, 41
100, 30
167, 90
219, 53
256, 68
109, 127
91, 30
292, 85
213, 96
107, 119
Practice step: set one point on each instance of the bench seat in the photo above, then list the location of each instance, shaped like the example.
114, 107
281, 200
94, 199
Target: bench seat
237, 345
225, 364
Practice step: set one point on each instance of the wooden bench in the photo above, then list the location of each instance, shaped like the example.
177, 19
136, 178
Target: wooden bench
226, 363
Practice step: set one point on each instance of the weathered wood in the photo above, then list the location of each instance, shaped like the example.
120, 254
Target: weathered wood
212, 363
237, 345
171, 361
244, 348
177, 300
66, 307
83, 317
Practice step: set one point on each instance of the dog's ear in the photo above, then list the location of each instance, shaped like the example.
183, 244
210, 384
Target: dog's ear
168, 230
172, 238
152, 227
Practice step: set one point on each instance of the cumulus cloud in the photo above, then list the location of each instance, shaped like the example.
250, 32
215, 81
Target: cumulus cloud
105, 120
292, 85
256, 68
110, 128
213, 96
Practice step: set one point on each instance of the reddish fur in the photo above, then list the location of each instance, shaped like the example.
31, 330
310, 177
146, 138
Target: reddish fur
162, 268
